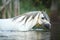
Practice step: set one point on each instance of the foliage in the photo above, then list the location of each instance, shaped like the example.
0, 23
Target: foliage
0, 2
28, 5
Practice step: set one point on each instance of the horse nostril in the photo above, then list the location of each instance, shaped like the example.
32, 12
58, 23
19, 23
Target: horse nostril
47, 26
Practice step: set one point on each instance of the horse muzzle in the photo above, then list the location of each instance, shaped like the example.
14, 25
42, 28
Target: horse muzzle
48, 26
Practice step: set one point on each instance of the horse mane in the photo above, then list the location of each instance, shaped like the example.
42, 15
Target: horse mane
27, 14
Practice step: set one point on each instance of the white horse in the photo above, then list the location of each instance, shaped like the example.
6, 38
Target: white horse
25, 22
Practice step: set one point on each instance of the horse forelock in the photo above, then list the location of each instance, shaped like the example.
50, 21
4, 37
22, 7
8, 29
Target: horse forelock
46, 16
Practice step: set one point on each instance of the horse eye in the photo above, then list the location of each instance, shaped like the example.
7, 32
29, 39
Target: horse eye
43, 18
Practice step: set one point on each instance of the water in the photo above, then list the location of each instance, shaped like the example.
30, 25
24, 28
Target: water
29, 35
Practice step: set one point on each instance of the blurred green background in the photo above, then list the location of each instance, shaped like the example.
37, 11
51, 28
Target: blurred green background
33, 5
